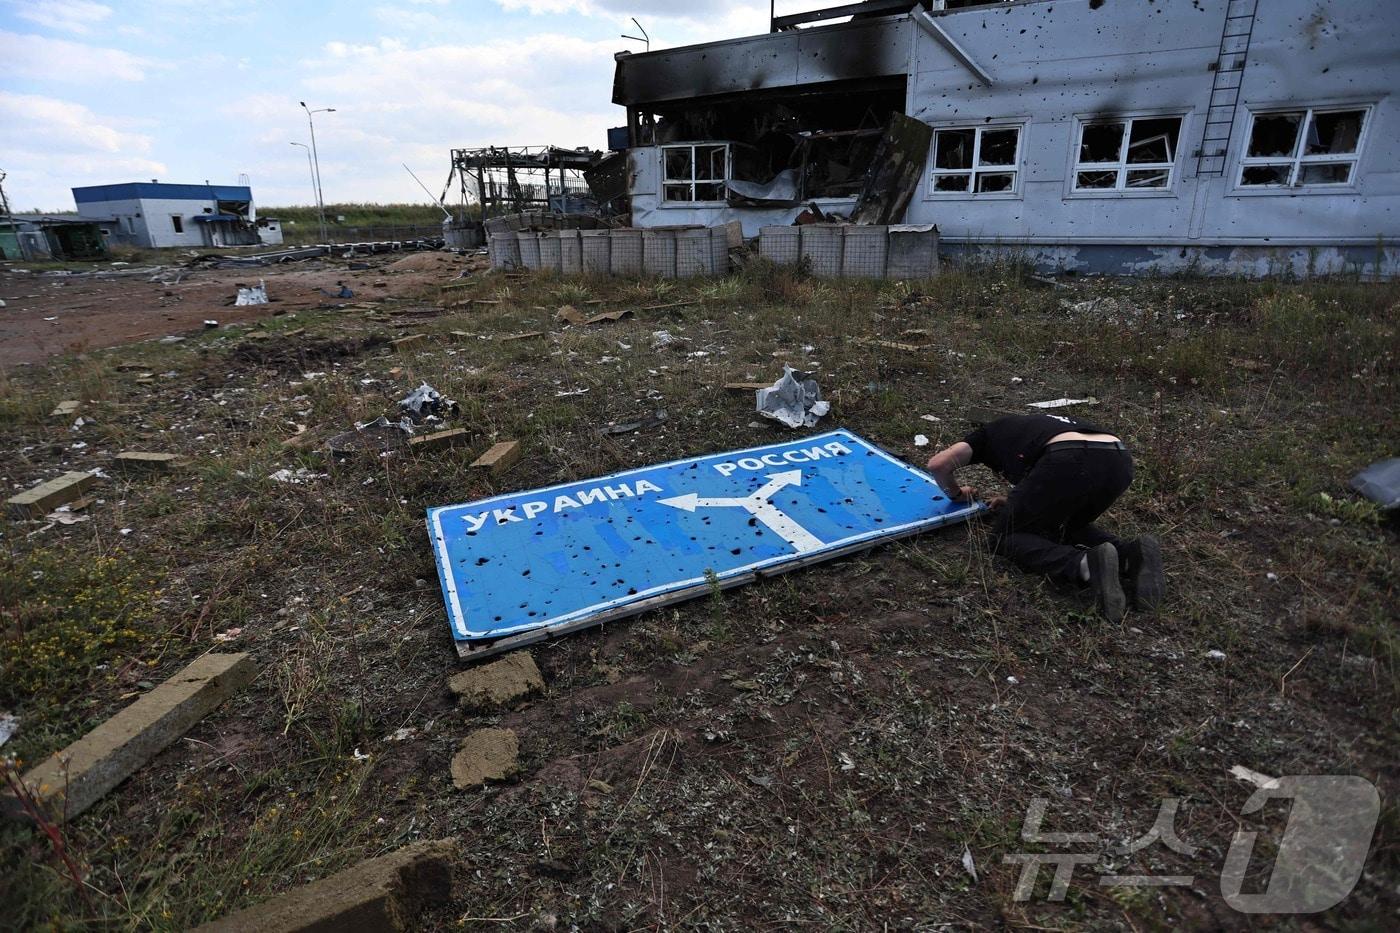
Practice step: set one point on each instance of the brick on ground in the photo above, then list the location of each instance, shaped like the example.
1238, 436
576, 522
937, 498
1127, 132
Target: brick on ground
440, 440
137, 461
499, 458
44, 498
510, 678
72, 780
379, 894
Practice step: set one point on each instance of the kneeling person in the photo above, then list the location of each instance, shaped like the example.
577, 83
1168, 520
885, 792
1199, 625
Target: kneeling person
1065, 472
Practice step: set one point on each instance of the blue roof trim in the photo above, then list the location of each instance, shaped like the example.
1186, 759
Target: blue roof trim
145, 189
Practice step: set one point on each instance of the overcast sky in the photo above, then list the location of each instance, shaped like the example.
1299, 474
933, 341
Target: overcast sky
104, 91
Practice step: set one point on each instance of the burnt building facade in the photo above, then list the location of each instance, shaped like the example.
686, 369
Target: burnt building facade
1113, 136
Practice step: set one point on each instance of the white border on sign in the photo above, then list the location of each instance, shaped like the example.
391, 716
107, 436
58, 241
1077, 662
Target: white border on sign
459, 622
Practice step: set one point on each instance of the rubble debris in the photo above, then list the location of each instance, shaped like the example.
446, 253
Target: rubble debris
1380, 482
528, 335
920, 440
894, 172
440, 440
794, 400
66, 409
499, 458
425, 403
491, 685
968, 865
891, 345
67, 783
295, 477
140, 461
411, 342
376, 896
251, 294
745, 386
65, 515
608, 317
1065, 402
656, 418
342, 291
1250, 776
210, 324
44, 498
485, 755
568, 314
372, 436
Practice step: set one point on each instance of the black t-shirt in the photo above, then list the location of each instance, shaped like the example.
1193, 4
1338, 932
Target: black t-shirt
1012, 445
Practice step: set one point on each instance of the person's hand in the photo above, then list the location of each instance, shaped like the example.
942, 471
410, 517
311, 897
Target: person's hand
996, 502
967, 493
929, 466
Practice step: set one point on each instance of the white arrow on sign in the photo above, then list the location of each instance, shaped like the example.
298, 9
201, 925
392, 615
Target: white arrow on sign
758, 505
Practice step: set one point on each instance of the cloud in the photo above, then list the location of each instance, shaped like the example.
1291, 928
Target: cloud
45, 59
54, 144
78, 16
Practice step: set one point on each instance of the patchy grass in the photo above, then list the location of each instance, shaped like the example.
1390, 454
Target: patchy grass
818, 748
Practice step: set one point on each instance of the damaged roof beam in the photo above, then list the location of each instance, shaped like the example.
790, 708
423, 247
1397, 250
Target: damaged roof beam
929, 24
868, 8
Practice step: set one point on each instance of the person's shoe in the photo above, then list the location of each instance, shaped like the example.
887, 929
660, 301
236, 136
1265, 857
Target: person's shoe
1103, 580
1142, 568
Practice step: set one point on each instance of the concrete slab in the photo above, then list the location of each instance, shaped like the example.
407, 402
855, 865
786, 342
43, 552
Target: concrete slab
485, 755
72, 780
376, 896
511, 678
66, 409
499, 458
410, 343
44, 498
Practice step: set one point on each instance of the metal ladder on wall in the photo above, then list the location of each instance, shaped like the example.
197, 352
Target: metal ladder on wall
1225, 94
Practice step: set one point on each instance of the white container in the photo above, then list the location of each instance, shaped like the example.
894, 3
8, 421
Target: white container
864, 251
625, 249
596, 247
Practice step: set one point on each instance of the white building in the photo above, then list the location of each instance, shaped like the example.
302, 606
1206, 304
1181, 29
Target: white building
1116, 136
154, 215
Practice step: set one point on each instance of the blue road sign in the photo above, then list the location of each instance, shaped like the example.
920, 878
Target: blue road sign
551, 560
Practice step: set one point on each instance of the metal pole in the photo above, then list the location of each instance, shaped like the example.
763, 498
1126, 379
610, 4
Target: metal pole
10, 218
316, 163
310, 168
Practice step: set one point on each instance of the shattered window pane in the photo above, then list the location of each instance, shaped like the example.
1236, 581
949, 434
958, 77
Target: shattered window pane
1274, 134
708, 191
678, 163
998, 147
1326, 173
1153, 140
950, 182
1333, 133
1096, 179
709, 163
954, 149
1265, 175
1148, 178
678, 192
998, 181
1101, 142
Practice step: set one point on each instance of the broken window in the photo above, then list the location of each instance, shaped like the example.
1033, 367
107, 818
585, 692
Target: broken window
694, 172
178, 223
1296, 148
1128, 154
976, 160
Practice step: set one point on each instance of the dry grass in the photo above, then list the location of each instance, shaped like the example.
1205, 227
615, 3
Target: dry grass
817, 748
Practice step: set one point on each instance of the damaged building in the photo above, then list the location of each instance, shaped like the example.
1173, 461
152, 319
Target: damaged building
156, 215
1095, 136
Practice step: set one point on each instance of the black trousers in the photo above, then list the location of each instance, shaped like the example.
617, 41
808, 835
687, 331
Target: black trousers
1048, 518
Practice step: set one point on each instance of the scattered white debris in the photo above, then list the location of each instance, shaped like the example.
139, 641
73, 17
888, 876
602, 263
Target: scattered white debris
847, 762
1215, 654
403, 734
1250, 776
211, 324
9, 723
1012, 680
920, 440
359, 757
661, 338
794, 400
296, 477
967, 863
252, 295
125, 531
65, 516
1065, 402
568, 394
1016, 379
229, 634
933, 418
1271, 577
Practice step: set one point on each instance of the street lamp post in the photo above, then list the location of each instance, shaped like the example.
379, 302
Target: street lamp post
316, 163
316, 197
